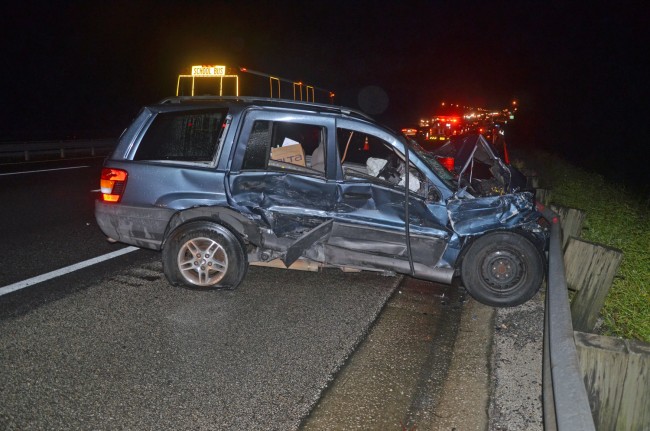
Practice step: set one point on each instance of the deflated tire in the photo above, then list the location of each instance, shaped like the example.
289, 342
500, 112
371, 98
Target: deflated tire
204, 255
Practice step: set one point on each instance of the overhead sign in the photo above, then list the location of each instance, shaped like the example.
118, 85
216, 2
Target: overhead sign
208, 70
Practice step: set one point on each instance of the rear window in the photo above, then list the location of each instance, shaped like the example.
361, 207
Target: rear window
183, 136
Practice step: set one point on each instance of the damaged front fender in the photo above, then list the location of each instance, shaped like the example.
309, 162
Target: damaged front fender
480, 215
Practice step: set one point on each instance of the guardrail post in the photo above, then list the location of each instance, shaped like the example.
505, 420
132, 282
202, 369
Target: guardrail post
26, 155
571, 220
532, 181
635, 410
543, 196
616, 377
590, 270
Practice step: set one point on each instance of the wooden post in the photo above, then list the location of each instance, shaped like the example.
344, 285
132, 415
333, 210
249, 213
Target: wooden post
635, 406
532, 181
617, 380
571, 220
543, 196
590, 269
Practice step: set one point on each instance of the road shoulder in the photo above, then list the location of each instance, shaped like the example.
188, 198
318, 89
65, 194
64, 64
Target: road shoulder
465, 395
394, 379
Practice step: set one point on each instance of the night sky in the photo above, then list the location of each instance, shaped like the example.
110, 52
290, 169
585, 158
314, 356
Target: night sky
577, 69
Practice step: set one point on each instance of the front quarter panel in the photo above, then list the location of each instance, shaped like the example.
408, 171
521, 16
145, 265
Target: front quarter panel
480, 215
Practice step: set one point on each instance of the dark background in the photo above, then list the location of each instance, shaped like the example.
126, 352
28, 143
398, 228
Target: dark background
84, 69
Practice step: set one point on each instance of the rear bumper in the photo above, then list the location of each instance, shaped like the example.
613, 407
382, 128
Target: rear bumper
142, 227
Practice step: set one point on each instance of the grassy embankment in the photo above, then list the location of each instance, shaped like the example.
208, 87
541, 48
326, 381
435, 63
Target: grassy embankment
616, 218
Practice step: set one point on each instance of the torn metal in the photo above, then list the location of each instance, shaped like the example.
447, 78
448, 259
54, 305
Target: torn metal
477, 166
477, 216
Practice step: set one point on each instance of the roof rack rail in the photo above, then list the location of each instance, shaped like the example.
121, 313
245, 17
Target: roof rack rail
268, 101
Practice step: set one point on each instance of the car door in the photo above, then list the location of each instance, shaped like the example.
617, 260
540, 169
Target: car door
370, 225
279, 174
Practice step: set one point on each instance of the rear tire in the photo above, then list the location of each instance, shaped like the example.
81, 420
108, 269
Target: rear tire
502, 269
204, 255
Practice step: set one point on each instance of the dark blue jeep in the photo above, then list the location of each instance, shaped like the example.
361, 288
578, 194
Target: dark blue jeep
218, 183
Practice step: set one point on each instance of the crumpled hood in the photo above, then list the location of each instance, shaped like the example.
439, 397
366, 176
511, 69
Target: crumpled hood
479, 215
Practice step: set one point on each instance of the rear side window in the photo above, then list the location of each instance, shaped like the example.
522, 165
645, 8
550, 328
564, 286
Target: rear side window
286, 145
182, 136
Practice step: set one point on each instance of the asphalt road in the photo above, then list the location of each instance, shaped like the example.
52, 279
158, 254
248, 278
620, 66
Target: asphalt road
130, 352
114, 346
47, 220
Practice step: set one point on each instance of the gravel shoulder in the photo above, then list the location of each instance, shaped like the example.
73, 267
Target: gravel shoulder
495, 378
516, 362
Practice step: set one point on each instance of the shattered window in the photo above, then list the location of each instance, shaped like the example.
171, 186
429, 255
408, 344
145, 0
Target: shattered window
258, 146
278, 144
183, 136
369, 157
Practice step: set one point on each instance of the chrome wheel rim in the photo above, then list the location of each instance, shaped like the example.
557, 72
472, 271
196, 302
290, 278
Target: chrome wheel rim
202, 261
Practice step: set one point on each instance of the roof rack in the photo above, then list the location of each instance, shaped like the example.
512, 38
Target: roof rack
268, 101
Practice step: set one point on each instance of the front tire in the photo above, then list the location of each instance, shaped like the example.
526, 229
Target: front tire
204, 255
502, 269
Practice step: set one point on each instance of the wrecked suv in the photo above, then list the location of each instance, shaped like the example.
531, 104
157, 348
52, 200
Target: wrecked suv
217, 184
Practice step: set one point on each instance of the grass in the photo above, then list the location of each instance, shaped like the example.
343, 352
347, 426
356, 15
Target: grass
614, 217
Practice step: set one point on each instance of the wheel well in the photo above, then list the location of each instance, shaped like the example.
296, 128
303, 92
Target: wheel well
204, 272
241, 227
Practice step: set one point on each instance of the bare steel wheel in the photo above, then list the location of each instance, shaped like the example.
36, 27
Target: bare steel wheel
502, 269
204, 255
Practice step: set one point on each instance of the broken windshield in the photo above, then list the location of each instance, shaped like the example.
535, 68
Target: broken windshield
433, 164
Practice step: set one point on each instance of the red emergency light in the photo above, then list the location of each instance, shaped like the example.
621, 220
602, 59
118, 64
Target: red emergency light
447, 163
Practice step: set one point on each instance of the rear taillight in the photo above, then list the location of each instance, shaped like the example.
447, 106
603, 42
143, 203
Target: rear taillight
447, 163
112, 184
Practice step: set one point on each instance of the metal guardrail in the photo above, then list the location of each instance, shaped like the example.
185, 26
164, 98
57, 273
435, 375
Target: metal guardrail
565, 400
27, 151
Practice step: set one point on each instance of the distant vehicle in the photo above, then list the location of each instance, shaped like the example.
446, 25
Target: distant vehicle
410, 131
441, 128
475, 163
218, 183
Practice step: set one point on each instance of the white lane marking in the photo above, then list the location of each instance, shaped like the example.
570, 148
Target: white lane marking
53, 274
44, 170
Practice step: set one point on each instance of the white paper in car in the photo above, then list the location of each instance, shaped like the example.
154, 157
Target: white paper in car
288, 141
